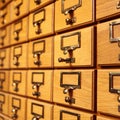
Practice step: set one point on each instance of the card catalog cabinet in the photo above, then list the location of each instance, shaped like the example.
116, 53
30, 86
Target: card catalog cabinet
59, 60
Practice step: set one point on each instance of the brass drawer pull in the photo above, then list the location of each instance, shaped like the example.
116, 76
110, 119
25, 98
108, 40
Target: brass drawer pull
2, 36
37, 2
37, 82
70, 10
65, 113
16, 105
18, 3
3, 14
2, 79
69, 48
118, 5
68, 87
37, 115
2, 101
38, 18
2, 57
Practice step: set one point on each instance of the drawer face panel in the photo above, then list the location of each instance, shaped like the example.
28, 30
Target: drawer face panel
41, 22
4, 15
41, 52
4, 78
81, 83
107, 118
19, 56
38, 3
70, 13
19, 31
74, 48
4, 101
39, 84
18, 8
108, 43
4, 36
4, 58
18, 81
62, 113
17, 107
108, 91
40, 110
106, 8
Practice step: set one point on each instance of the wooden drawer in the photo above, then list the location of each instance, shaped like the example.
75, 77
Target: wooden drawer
107, 118
4, 58
18, 81
19, 56
74, 48
18, 8
19, 31
41, 22
35, 4
108, 91
4, 100
39, 84
17, 107
108, 43
36, 110
69, 14
4, 36
5, 15
66, 90
107, 8
4, 80
62, 113
41, 53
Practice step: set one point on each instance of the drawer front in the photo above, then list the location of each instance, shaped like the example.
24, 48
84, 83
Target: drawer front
108, 43
81, 83
19, 56
74, 48
41, 22
4, 58
18, 8
4, 80
19, 31
41, 53
69, 14
4, 36
38, 3
5, 15
62, 113
107, 8
17, 107
36, 110
4, 100
18, 81
107, 118
39, 84
108, 99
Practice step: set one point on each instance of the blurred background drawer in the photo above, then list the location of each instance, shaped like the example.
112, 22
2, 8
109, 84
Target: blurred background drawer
19, 56
108, 38
74, 88
39, 84
19, 8
108, 88
107, 118
17, 107
62, 113
107, 8
39, 110
35, 4
74, 48
69, 14
4, 36
41, 53
41, 22
19, 31
4, 80
18, 82
4, 103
